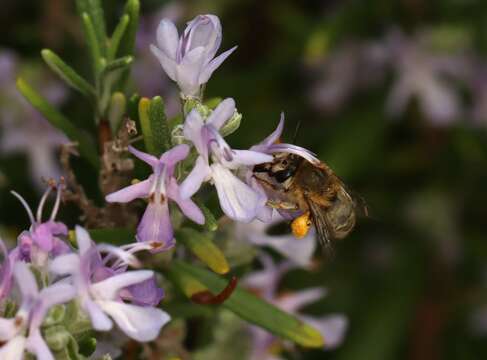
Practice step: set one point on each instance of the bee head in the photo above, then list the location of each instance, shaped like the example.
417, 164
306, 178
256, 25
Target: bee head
284, 166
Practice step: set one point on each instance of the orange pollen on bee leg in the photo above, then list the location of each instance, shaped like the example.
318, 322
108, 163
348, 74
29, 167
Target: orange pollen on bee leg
300, 225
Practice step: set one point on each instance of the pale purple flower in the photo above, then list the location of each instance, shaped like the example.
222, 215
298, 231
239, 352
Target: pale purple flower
43, 239
6, 271
155, 226
350, 68
299, 251
190, 59
265, 282
147, 65
30, 315
426, 76
237, 199
117, 260
101, 300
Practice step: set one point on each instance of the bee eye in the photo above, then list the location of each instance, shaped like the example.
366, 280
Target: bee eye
284, 162
283, 175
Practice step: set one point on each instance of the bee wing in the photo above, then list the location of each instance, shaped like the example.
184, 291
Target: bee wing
360, 205
321, 224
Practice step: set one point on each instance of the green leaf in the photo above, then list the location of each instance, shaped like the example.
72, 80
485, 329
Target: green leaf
187, 310
132, 9
117, 36
192, 279
67, 73
93, 44
116, 110
144, 105
133, 107
159, 127
203, 247
94, 10
118, 64
86, 147
211, 224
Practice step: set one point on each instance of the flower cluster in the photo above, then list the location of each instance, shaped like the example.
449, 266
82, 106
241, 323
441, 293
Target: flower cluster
266, 282
189, 62
96, 281
49, 272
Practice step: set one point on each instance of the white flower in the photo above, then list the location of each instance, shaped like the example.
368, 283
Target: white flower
101, 300
190, 59
29, 317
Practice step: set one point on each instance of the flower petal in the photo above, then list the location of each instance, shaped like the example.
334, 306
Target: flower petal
294, 149
108, 289
168, 65
223, 112
129, 193
6, 271
246, 158
147, 158
7, 329
14, 349
237, 199
195, 178
155, 226
42, 236
36, 345
140, 323
272, 138
214, 64
171, 157
145, 293
331, 327
54, 294
193, 131
187, 206
99, 320
204, 31
65, 264
25, 280
295, 301
83, 240
168, 38
188, 71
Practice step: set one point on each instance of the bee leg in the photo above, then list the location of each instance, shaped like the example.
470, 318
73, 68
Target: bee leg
282, 205
300, 225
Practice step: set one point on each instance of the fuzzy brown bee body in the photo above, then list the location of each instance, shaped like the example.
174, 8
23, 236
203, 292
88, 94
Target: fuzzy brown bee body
294, 183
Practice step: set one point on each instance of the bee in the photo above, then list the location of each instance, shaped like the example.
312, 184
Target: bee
314, 192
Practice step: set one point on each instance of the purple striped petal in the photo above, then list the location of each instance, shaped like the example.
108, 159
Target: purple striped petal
187, 206
129, 193
168, 38
155, 227
193, 181
147, 158
168, 65
238, 201
223, 112
214, 64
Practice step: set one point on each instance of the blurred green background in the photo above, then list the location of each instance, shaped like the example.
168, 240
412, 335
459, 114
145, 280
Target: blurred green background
412, 278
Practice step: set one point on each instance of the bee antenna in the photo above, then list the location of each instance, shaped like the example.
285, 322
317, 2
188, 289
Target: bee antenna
296, 132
